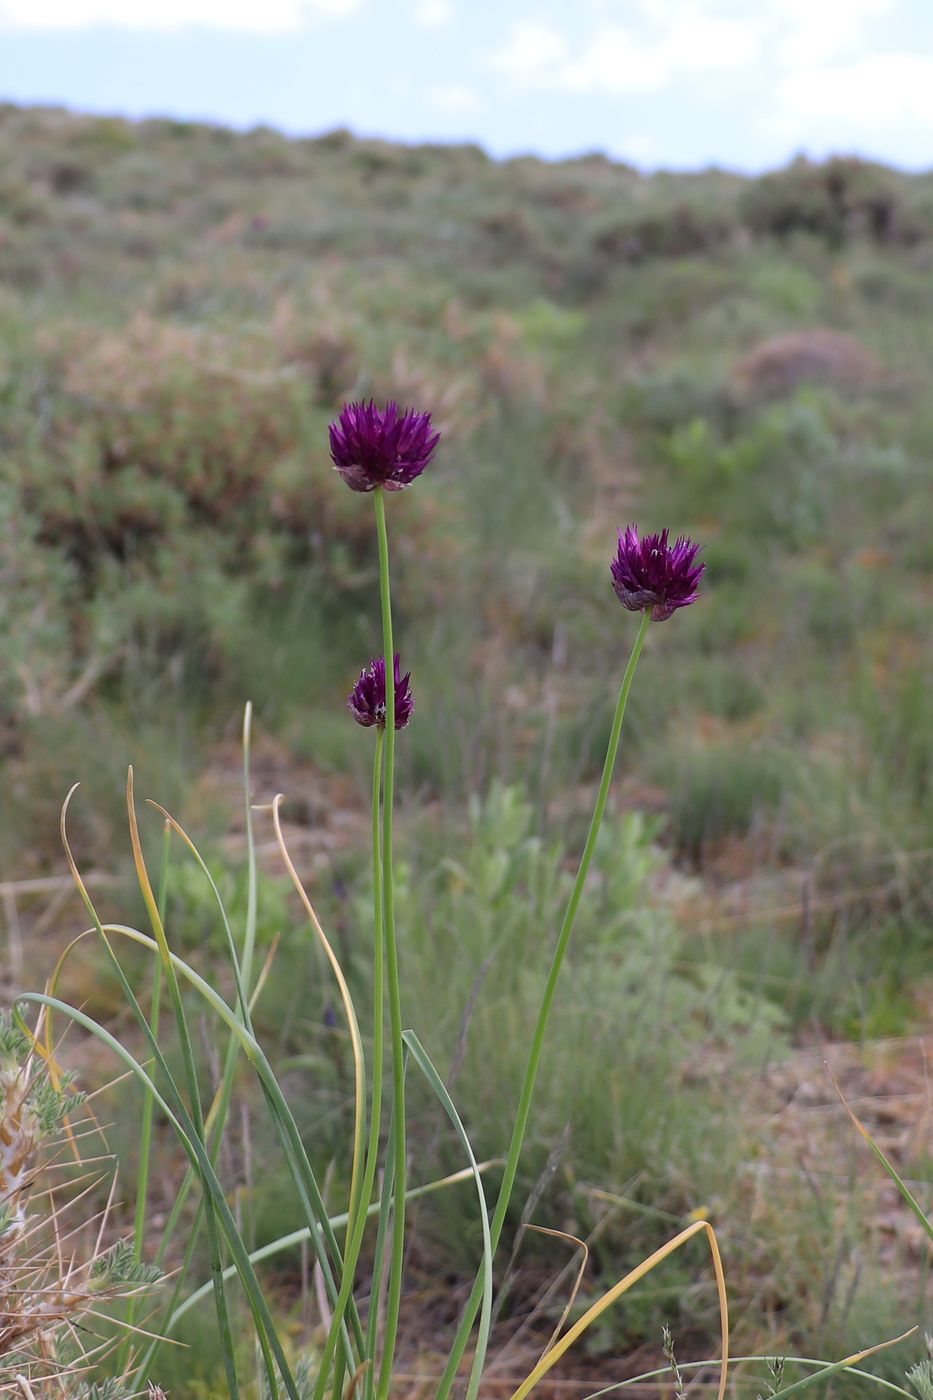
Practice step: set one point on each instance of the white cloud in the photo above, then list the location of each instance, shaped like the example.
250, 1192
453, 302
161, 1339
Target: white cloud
454, 97
793, 31
641, 148
706, 42
432, 14
814, 31
883, 90
617, 58
613, 61
650, 44
530, 54
169, 14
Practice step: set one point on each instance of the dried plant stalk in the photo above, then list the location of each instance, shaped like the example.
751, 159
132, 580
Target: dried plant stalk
52, 1291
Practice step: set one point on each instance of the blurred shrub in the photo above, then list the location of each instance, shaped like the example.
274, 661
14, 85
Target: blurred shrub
783, 363
836, 200
775, 480
899, 730
36, 585
787, 287
478, 929
719, 790
824, 601
157, 492
724, 687
679, 232
667, 398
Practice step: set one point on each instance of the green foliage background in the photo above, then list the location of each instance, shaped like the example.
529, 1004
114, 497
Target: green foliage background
182, 309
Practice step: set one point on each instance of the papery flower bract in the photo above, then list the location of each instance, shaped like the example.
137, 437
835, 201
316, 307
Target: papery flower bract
650, 574
372, 447
367, 700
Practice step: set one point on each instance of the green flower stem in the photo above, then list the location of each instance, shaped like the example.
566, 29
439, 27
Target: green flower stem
378, 981
379, 994
359, 1209
393, 1303
249, 939
378, 1272
537, 1044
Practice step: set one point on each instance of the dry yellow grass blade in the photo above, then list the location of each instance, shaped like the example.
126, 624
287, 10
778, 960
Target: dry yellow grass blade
142, 876
614, 1294
584, 1260
47, 1051
355, 1379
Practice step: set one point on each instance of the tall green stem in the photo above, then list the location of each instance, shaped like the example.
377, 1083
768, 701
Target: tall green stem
359, 1209
537, 1044
393, 1302
379, 996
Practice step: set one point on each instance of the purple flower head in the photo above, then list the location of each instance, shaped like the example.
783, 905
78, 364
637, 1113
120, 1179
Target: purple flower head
373, 448
367, 700
651, 574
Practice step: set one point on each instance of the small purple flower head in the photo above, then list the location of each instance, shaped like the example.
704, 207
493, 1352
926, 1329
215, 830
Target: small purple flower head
373, 448
367, 700
651, 574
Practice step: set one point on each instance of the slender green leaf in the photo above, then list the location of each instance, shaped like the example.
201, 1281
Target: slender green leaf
421, 1059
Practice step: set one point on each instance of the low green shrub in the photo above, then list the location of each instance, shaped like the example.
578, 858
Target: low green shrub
719, 790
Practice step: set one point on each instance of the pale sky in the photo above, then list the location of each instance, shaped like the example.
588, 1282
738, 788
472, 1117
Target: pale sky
676, 83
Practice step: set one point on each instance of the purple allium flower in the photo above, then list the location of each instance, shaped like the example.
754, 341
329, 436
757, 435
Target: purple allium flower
367, 700
651, 574
373, 448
